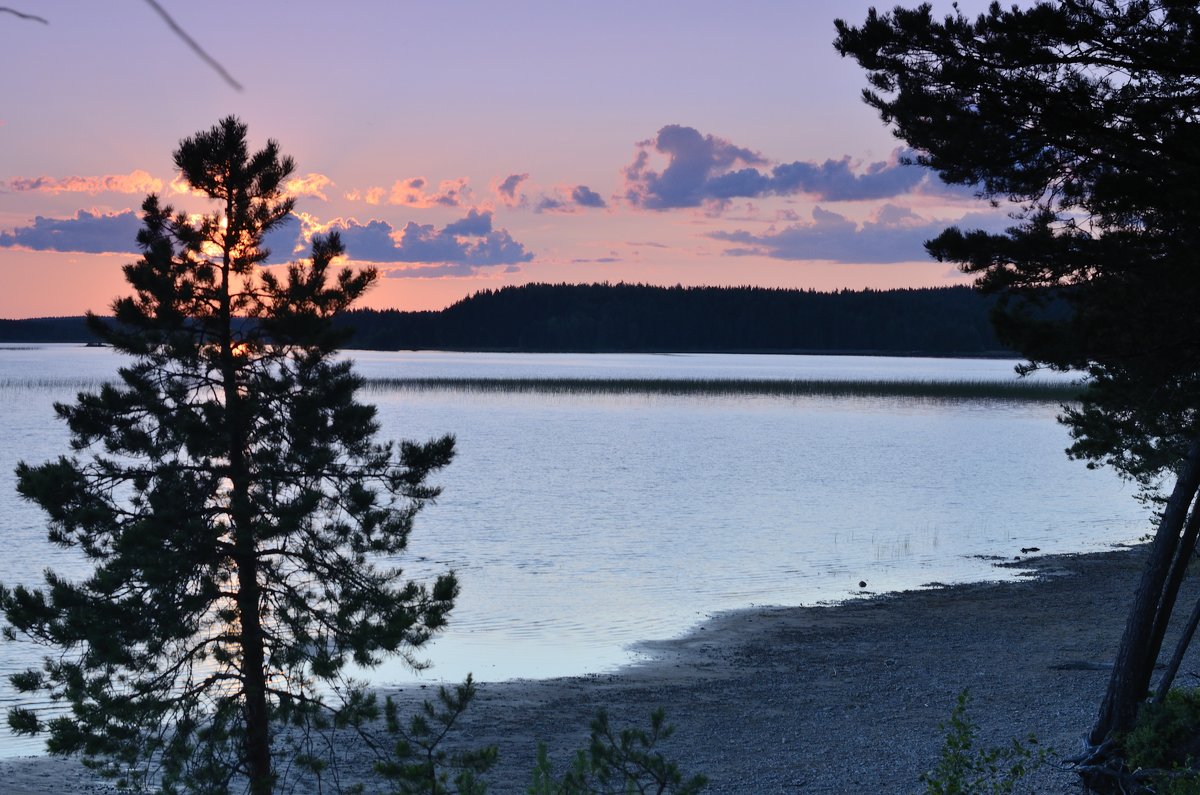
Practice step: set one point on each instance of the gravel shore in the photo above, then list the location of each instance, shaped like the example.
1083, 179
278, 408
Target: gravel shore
844, 699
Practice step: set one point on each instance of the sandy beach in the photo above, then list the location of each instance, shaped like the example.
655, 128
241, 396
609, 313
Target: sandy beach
843, 699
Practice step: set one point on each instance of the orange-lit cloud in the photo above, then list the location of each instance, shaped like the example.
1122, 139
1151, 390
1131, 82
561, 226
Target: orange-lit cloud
182, 187
417, 192
370, 195
311, 184
136, 181
414, 192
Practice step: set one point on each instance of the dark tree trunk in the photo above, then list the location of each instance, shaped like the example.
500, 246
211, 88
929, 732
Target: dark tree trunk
254, 683
253, 672
1186, 551
1130, 681
1185, 640
1183, 556
249, 607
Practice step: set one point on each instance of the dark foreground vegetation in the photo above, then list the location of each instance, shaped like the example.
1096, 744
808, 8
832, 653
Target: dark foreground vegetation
1083, 114
636, 318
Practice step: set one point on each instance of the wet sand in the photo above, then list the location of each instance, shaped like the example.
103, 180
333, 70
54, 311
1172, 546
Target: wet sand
843, 699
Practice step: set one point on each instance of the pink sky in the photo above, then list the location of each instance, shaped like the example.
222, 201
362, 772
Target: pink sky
470, 145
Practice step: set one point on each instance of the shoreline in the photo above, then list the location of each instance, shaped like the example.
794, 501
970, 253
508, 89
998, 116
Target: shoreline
828, 699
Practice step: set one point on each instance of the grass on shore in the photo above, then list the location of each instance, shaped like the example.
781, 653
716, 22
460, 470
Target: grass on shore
1017, 390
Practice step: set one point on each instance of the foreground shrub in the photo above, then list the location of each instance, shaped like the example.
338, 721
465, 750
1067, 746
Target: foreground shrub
964, 769
625, 762
419, 764
1163, 749
615, 762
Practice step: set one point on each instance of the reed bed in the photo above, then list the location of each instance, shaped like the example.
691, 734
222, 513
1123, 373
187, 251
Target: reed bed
49, 383
1016, 390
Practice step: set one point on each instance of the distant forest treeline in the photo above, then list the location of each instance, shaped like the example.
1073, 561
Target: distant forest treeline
633, 317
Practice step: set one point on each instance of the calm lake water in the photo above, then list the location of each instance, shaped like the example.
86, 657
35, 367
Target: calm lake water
581, 525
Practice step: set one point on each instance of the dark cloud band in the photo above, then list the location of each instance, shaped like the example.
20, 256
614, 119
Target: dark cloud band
706, 169
470, 241
896, 235
86, 232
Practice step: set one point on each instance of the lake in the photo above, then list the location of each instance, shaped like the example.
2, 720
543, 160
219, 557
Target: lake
582, 524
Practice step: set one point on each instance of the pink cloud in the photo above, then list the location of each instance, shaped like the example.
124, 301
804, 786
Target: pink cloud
311, 184
416, 192
370, 195
136, 181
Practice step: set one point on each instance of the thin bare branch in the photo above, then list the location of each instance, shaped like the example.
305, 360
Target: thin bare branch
196, 48
16, 13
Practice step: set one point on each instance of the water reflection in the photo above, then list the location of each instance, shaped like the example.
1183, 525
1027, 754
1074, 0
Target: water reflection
580, 525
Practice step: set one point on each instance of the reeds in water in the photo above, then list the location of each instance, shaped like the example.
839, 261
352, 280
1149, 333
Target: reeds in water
1018, 390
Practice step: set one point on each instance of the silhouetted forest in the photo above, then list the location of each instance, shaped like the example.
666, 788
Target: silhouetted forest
633, 317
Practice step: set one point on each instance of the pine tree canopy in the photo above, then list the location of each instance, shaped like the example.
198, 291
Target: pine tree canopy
1086, 115
242, 519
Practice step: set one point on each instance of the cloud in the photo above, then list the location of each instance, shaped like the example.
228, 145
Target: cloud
414, 192
475, 223
370, 195
86, 232
584, 196
895, 234
506, 190
286, 242
116, 233
136, 181
704, 169
446, 270
468, 243
693, 160
551, 204
837, 180
182, 187
311, 184
567, 199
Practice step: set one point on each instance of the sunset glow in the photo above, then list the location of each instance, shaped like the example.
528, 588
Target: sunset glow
687, 143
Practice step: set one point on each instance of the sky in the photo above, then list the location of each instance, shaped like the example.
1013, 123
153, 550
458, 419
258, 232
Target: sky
462, 145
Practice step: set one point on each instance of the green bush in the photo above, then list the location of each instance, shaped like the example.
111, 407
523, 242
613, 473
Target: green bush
419, 765
616, 763
963, 769
1165, 743
625, 761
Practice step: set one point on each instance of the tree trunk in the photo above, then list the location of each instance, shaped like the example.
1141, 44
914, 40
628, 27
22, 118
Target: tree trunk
254, 682
257, 717
1189, 630
249, 603
1130, 681
1183, 556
